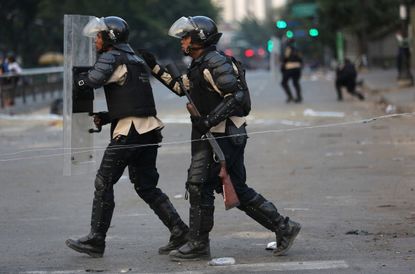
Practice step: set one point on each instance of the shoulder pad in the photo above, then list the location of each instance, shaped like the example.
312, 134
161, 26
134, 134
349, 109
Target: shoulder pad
107, 58
114, 52
214, 59
135, 59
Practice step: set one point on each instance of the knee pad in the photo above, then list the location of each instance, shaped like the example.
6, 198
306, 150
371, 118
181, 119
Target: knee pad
104, 191
195, 193
100, 183
145, 184
199, 167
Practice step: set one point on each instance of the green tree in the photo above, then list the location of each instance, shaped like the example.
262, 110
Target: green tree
254, 32
362, 18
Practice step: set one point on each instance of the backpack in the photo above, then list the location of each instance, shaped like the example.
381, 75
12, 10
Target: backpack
240, 71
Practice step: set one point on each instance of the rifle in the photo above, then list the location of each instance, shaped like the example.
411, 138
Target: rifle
230, 198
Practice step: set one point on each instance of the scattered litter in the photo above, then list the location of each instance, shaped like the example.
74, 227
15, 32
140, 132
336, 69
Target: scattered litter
312, 113
386, 206
222, 261
125, 270
331, 154
390, 109
314, 78
293, 123
271, 246
358, 232
178, 196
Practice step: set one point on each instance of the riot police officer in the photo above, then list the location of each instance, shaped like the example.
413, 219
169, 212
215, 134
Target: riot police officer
218, 95
135, 132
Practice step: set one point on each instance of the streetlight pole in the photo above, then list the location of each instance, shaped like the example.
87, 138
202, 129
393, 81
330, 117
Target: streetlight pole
404, 56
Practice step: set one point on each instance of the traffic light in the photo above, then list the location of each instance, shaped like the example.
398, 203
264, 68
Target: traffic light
281, 24
249, 53
270, 45
289, 34
261, 52
313, 32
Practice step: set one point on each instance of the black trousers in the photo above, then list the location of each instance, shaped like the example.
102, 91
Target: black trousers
127, 151
349, 84
234, 155
295, 75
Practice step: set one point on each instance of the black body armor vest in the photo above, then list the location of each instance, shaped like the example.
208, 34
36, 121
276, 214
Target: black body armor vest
204, 98
135, 96
203, 95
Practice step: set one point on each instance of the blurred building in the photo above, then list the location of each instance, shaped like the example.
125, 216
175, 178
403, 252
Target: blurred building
233, 11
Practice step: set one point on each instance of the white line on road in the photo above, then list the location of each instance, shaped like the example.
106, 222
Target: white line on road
259, 267
296, 209
289, 266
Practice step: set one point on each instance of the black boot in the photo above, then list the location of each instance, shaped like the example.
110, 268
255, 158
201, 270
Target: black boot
265, 213
94, 243
298, 100
360, 96
287, 90
198, 247
286, 233
178, 237
289, 100
299, 97
171, 219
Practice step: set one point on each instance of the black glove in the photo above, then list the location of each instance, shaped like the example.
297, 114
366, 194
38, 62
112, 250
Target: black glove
148, 57
101, 118
201, 124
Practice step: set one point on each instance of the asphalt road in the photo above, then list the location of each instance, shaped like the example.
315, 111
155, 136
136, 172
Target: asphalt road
347, 179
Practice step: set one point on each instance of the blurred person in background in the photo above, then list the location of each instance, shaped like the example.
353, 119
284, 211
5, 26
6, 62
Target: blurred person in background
346, 76
13, 66
4, 65
291, 67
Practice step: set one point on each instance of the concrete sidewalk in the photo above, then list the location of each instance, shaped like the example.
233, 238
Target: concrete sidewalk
385, 83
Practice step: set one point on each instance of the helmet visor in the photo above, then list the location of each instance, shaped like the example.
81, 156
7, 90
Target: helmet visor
181, 27
94, 26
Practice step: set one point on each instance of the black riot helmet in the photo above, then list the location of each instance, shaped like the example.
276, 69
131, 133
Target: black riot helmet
201, 29
114, 31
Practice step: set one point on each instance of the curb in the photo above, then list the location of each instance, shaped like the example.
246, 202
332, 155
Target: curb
396, 99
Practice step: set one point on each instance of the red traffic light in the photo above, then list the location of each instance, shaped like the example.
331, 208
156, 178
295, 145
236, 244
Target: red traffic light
249, 53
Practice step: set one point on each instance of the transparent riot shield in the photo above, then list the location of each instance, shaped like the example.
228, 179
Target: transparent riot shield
79, 53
